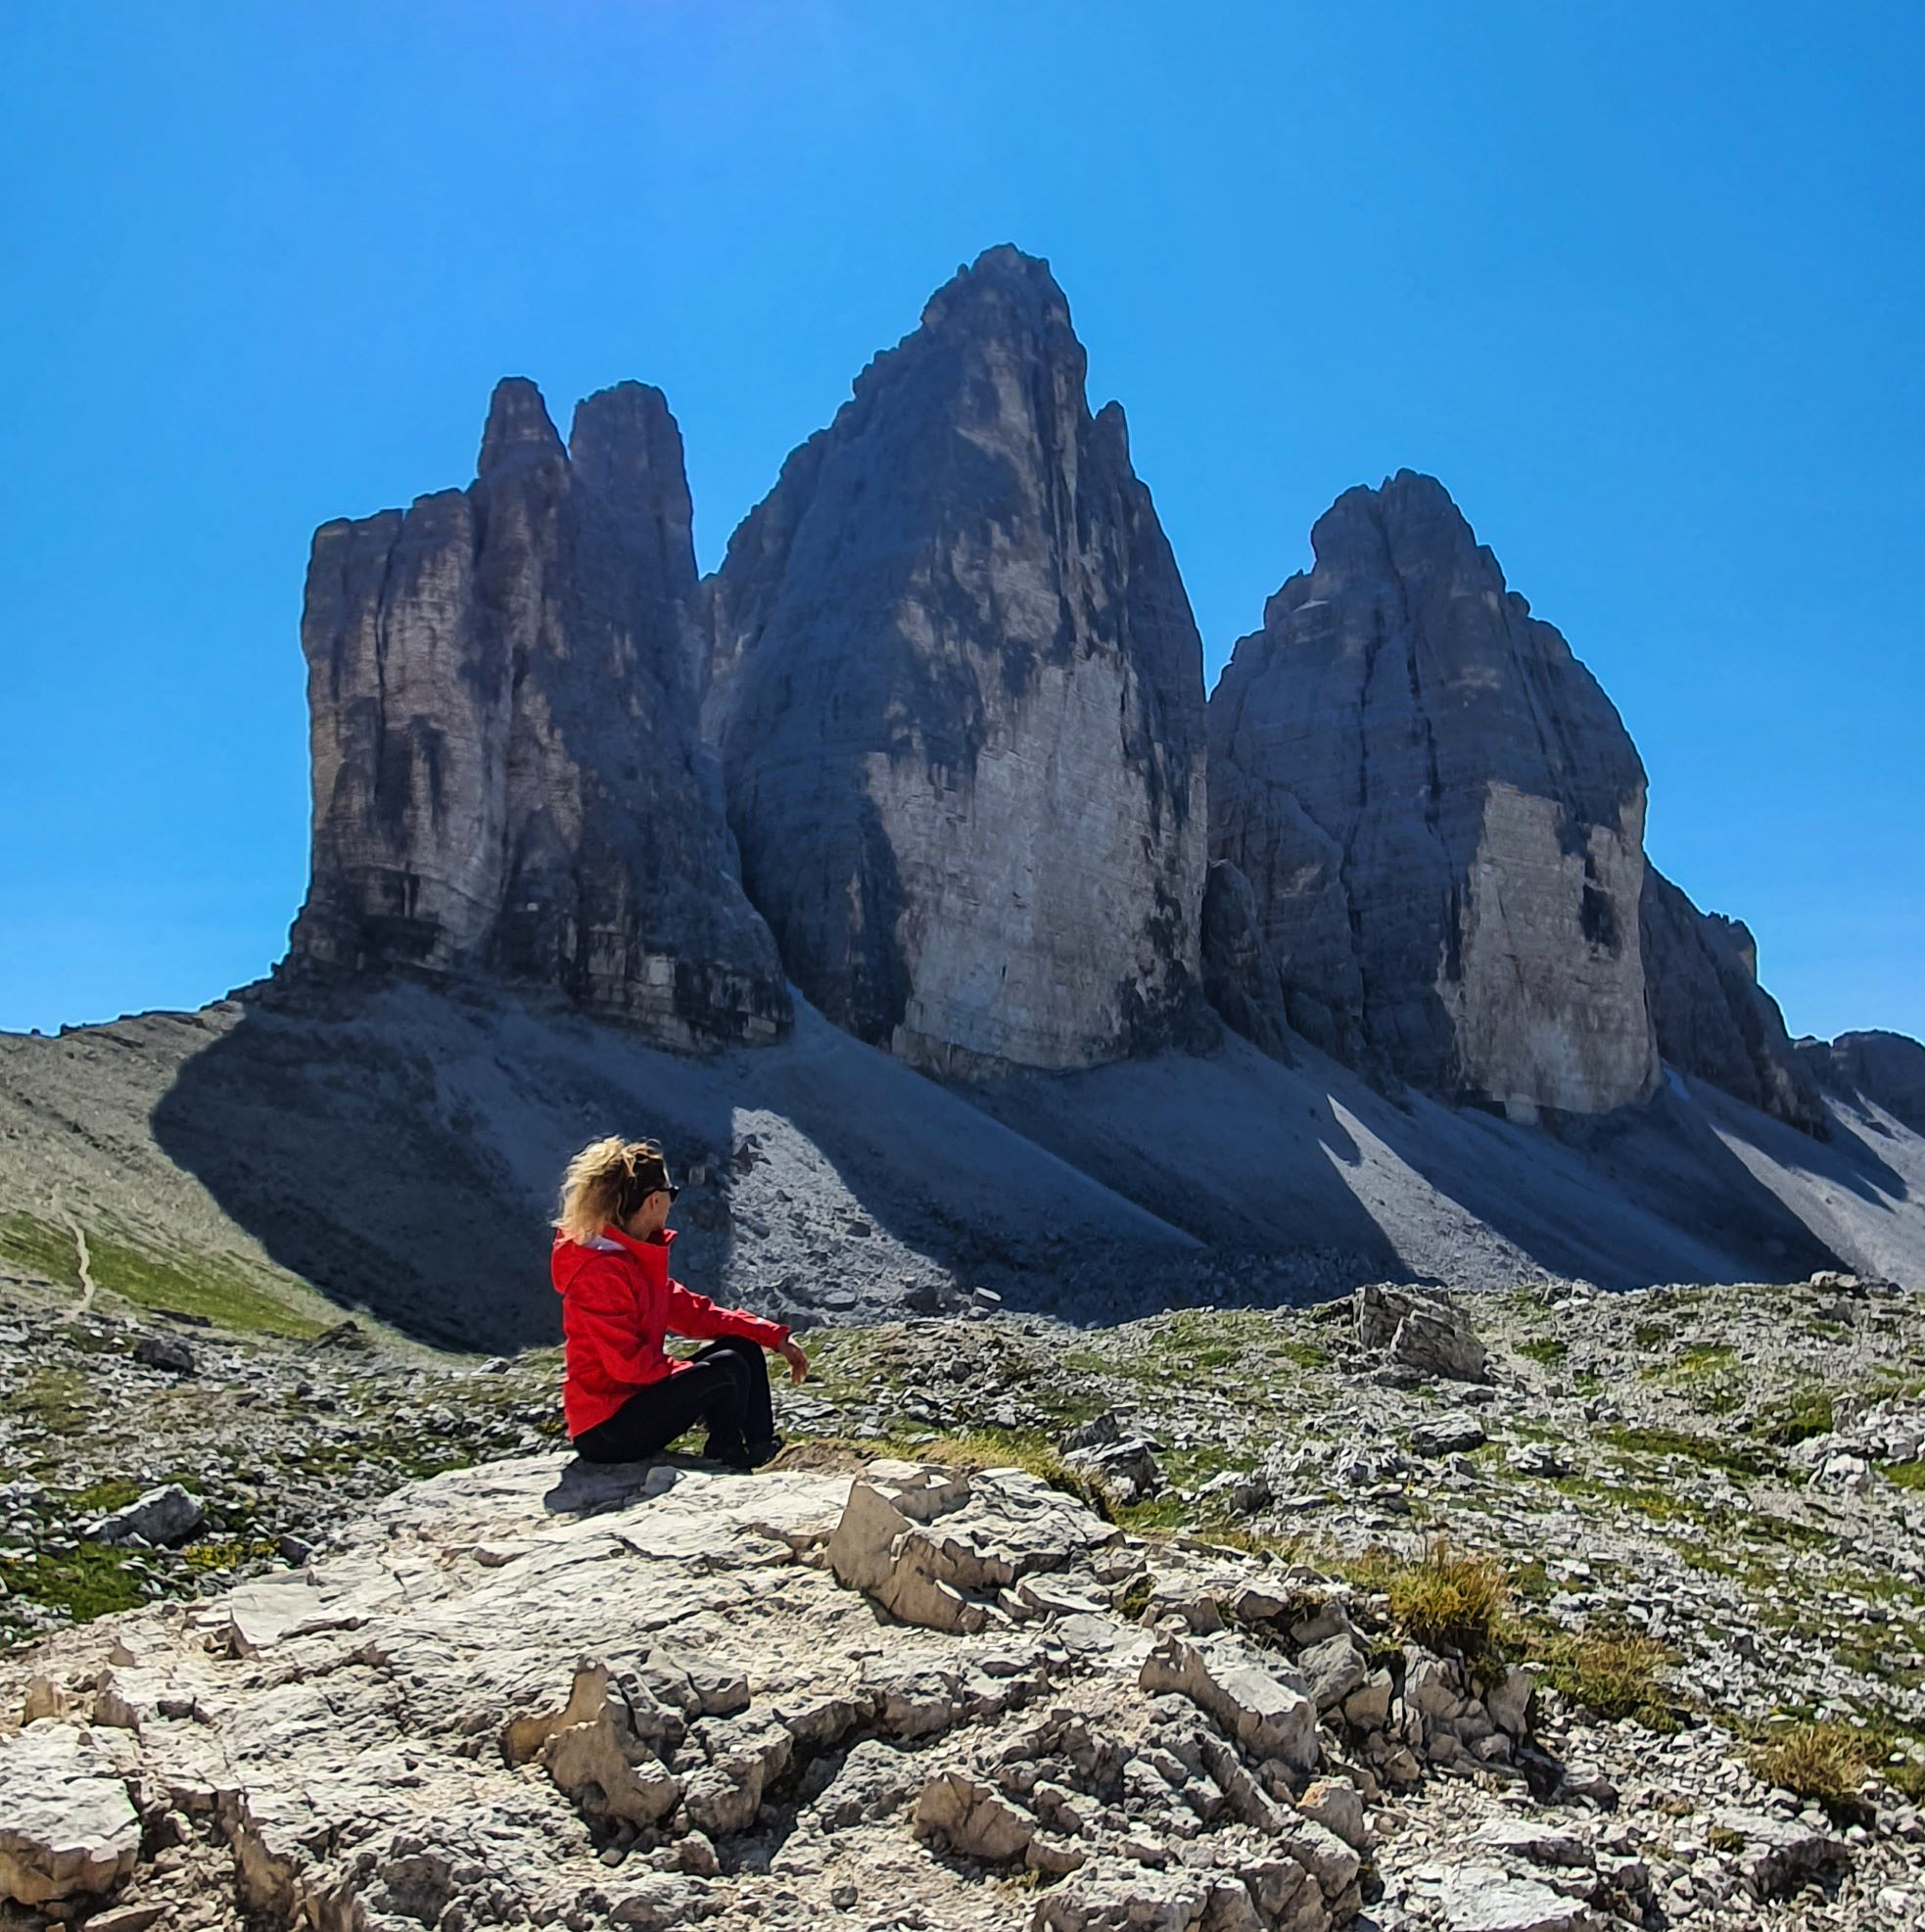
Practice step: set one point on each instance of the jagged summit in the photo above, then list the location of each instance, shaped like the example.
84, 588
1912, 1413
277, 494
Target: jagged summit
518, 426
999, 276
958, 696
1441, 815
507, 774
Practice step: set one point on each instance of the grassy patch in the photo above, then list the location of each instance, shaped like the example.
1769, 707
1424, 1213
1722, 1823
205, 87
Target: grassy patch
1306, 1354
1906, 1475
91, 1582
1547, 1349
1702, 1357
1612, 1673
1135, 1599
1676, 1442
1444, 1601
1651, 1335
44, 1248
1825, 1762
54, 1400
104, 1496
216, 1287
1016, 1448
1799, 1418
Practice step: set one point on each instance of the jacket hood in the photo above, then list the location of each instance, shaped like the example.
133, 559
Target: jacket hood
569, 1258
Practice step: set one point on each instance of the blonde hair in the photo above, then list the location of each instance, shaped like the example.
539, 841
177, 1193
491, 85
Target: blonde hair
607, 1181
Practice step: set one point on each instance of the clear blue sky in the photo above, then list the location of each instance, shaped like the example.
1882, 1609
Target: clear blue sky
1640, 282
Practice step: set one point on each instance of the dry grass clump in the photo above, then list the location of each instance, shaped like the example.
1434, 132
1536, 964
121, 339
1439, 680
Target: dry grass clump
1611, 1673
996, 1448
971, 1450
1449, 1600
1825, 1762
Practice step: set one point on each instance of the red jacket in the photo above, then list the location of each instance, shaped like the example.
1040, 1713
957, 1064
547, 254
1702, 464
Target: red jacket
617, 1302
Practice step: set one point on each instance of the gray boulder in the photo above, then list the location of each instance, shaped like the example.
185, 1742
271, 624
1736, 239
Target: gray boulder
1424, 1333
507, 770
1442, 817
165, 1517
958, 696
1714, 1019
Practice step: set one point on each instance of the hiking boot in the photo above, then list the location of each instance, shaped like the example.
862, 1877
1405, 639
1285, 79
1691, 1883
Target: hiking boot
732, 1455
765, 1451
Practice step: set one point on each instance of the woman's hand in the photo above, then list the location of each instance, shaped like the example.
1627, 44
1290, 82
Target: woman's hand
798, 1362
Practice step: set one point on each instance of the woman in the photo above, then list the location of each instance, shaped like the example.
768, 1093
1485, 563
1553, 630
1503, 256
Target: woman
625, 1400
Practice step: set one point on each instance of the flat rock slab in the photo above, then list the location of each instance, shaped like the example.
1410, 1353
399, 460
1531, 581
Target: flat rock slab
67, 1827
1486, 1897
1779, 1854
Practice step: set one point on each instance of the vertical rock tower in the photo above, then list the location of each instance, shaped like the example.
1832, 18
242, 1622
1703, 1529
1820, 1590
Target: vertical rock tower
956, 691
508, 776
1441, 816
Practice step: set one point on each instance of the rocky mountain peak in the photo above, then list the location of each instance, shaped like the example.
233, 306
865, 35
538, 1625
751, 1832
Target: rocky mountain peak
624, 440
518, 426
1712, 1017
1002, 285
507, 767
958, 696
1440, 814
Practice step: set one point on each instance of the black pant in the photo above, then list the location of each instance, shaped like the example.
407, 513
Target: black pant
726, 1385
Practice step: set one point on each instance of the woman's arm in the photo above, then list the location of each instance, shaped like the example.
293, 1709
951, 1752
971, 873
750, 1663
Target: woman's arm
695, 1315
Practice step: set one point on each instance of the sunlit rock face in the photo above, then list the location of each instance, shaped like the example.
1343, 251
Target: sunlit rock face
508, 777
1442, 817
956, 691
1714, 1019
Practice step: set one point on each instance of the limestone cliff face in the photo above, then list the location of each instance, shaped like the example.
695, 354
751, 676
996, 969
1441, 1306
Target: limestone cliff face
1714, 1019
507, 770
1240, 979
958, 696
1441, 817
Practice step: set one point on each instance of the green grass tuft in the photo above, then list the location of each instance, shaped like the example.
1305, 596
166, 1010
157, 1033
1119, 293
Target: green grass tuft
1612, 1673
1825, 1762
1444, 1600
1796, 1420
42, 1247
93, 1580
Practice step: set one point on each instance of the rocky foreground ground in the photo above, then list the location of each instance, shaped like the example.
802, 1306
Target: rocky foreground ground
1549, 1610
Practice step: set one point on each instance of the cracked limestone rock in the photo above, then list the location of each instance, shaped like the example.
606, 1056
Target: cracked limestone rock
508, 777
67, 1827
958, 694
1427, 1334
1441, 817
1486, 1897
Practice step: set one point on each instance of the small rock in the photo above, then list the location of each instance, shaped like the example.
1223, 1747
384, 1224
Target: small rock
1447, 1435
165, 1351
165, 1517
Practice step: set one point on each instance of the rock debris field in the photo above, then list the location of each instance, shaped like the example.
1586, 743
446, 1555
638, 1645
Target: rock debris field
1548, 1610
